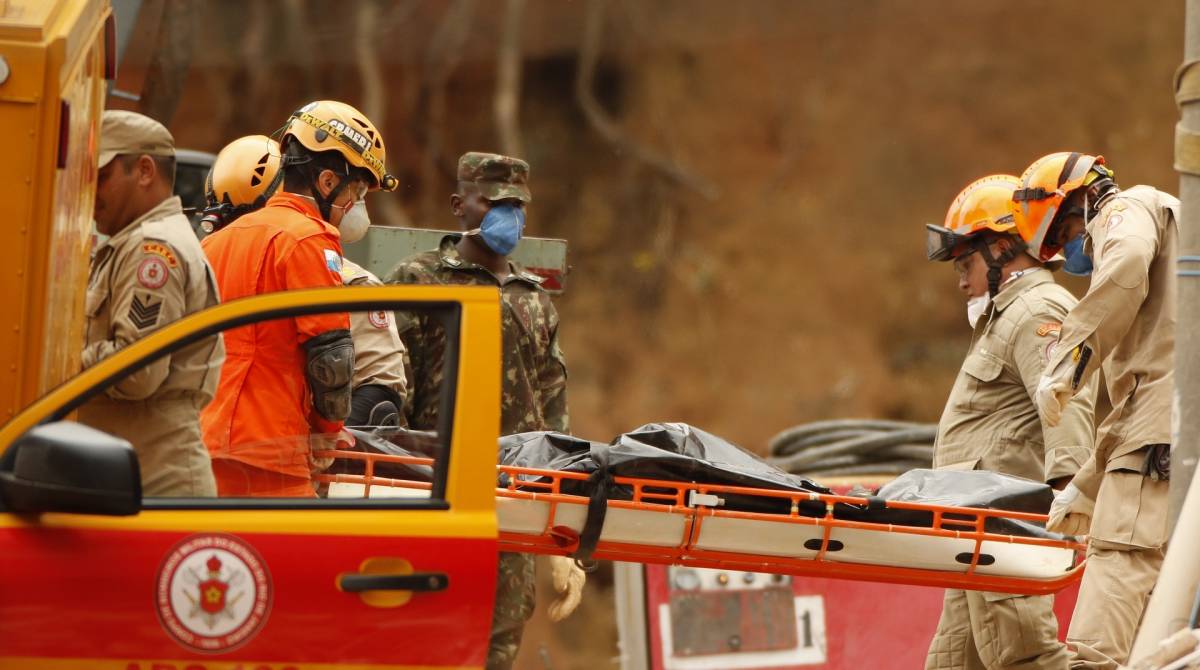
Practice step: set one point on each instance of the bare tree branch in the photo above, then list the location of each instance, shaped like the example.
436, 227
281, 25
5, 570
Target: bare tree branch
168, 69
589, 54
300, 38
374, 100
507, 101
445, 49
251, 80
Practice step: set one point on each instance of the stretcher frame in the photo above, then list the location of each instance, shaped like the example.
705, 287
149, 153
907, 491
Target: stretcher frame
673, 498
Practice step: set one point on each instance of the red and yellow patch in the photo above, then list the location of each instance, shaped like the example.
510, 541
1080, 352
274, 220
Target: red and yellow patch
160, 249
1049, 328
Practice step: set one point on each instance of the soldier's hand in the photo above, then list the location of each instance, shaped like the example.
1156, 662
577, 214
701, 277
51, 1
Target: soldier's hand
1071, 512
568, 581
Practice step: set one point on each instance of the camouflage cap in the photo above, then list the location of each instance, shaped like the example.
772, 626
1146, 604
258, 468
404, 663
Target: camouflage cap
498, 177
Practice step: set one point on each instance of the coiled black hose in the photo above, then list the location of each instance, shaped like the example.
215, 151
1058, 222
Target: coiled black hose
844, 447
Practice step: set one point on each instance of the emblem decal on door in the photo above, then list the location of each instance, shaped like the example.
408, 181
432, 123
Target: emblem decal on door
213, 593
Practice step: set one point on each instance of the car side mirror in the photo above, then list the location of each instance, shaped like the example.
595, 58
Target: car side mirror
70, 467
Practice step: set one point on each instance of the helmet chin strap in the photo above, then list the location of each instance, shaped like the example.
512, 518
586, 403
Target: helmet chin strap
325, 203
995, 264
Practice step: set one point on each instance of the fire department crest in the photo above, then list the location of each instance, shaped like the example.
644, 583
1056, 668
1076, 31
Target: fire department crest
213, 593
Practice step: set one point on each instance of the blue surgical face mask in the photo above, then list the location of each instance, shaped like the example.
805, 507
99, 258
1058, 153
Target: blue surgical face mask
502, 227
1078, 263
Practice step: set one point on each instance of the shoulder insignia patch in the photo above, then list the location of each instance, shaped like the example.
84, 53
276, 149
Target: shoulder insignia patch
160, 249
1113, 221
535, 278
144, 310
152, 272
333, 261
378, 318
1049, 328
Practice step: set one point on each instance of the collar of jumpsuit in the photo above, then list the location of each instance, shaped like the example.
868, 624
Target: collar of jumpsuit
301, 204
453, 261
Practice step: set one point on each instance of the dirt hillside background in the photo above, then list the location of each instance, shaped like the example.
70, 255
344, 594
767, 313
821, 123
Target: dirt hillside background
769, 269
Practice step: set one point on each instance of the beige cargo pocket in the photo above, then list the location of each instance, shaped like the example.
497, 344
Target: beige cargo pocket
1131, 509
982, 368
1014, 628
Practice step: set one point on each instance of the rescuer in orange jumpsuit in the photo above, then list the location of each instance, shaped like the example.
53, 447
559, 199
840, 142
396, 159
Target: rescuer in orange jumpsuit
285, 385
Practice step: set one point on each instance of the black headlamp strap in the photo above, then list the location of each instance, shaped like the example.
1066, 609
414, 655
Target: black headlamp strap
270, 190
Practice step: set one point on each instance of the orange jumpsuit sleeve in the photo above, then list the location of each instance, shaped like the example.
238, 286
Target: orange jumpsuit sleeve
315, 262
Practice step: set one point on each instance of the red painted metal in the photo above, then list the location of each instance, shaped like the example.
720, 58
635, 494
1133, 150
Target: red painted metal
90, 593
867, 625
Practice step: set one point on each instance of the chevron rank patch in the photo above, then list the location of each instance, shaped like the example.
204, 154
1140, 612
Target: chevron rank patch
144, 310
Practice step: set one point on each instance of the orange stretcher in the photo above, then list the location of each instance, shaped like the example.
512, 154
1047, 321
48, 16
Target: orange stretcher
682, 523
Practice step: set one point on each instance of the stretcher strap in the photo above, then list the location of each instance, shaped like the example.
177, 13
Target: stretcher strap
601, 483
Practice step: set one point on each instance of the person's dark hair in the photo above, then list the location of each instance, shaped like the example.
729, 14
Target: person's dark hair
164, 165
301, 167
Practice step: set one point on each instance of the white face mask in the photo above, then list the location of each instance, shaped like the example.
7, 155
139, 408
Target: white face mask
354, 223
976, 308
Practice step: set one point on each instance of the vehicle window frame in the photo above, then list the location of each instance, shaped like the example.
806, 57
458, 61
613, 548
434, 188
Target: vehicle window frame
447, 312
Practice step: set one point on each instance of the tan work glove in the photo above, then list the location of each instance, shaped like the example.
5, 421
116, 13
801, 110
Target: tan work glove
317, 442
1054, 391
1071, 512
568, 581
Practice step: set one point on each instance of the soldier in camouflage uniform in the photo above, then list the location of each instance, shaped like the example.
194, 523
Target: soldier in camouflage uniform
489, 204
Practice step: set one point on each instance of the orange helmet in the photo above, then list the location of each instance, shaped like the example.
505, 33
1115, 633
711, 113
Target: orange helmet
983, 205
329, 125
243, 177
1044, 186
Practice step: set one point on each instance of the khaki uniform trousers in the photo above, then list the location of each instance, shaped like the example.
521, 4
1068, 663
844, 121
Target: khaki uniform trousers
981, 630
165, 433
1125, 552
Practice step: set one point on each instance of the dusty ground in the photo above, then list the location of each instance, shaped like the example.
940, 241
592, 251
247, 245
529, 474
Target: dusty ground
833, 131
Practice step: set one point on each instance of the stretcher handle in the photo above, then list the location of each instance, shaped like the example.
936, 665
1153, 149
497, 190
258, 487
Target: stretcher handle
417, 581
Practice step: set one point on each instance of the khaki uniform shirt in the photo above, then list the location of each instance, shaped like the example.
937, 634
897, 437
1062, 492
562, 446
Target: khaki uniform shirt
146, 276
534, 384
1127, 320
379, 353
991, 421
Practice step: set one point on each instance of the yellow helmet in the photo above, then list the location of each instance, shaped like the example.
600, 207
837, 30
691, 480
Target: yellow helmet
243, 177
329, 125
982, 206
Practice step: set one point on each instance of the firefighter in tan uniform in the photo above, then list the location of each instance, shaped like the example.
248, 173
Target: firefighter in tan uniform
149, 273
1126, 325
380, 378
991, 421
243, 177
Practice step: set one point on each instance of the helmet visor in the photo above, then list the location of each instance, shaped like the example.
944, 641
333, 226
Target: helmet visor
941, 243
